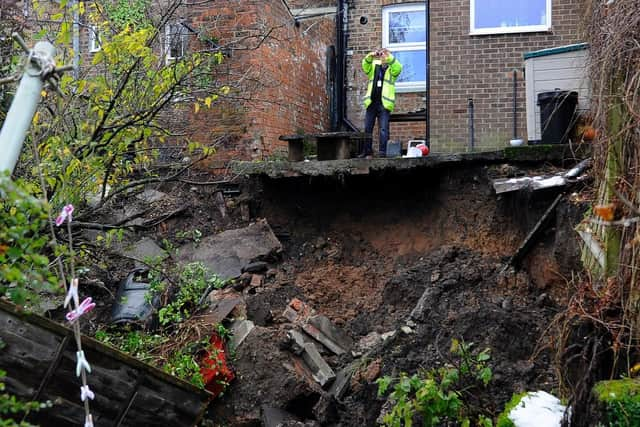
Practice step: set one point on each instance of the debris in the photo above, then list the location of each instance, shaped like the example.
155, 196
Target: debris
144, 249
594, 247
373, 371
256, 280
541, 182
218, 198
534, 233
341, 384
275, 417
214, 369
240, 330
150, 196
297, 310
255, 267
295, 341
325, 411
132, 301
222, 304
406, 330
320, 370
321, 328
538, 409
227, 253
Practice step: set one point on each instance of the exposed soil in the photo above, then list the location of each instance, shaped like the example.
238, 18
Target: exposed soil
362, 251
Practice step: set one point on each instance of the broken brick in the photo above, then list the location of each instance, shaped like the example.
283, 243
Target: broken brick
256, 280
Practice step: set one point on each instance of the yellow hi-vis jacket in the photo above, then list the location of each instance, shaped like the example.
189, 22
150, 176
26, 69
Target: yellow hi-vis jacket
388, 85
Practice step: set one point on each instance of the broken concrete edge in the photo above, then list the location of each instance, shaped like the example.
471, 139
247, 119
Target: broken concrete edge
284, 169
320, 370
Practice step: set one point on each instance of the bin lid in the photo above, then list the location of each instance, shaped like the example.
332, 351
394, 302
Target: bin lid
556, 50
556, 95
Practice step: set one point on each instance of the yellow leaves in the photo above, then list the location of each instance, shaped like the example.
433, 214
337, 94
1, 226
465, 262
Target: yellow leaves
207, 101
81, 8
225, 90
196, 107
64, 35
36, 118
57, 16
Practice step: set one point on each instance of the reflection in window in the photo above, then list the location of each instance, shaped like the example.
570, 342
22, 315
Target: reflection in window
510, 16
404, 33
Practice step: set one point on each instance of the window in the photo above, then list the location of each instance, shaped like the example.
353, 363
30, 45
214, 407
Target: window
94, 39
510, 16
404, 33
175, 40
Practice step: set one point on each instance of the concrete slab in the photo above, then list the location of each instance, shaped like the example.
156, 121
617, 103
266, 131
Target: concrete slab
142, 250
220, 308
285, 169
320, 370
240, 330
341, 384
225, 254
330, 331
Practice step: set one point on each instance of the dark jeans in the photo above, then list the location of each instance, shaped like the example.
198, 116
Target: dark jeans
377, 110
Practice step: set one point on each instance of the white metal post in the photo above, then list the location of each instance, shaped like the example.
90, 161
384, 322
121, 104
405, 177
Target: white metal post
14, 130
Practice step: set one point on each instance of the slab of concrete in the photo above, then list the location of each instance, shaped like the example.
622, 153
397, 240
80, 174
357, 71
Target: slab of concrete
332, 333
240, 329
145, 249
220, 308
285, 169
225, 254
341, 384
320, 370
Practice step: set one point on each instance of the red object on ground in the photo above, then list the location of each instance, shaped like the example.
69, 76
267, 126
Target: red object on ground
214, 368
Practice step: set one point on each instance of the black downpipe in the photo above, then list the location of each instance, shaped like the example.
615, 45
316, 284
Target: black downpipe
515, 104
427, 65
470, 113
342, 23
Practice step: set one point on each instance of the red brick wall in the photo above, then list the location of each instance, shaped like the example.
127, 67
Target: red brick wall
283, 77
462, 67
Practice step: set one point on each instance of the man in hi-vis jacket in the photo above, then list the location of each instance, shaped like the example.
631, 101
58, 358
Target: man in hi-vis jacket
382, 69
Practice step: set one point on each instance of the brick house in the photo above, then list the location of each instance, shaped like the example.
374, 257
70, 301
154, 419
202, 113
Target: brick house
473, 48
307, 76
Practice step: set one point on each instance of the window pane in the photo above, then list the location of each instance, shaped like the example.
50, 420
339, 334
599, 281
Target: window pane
510, 13
407, 27
414, 65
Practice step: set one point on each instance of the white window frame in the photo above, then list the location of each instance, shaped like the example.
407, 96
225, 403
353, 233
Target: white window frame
95, 44
404, 87
167, 41
506, 30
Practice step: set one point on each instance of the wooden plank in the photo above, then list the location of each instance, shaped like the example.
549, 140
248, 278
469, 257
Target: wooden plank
534, 233
37, 363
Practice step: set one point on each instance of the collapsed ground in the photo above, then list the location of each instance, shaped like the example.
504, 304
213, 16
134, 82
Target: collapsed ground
364, 251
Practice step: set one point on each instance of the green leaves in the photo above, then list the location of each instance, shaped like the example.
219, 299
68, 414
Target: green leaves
24, 269
436, 394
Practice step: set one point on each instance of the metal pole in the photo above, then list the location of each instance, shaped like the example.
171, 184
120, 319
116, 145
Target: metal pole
18, 119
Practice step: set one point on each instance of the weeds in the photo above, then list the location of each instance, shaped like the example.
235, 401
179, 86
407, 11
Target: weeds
436, 395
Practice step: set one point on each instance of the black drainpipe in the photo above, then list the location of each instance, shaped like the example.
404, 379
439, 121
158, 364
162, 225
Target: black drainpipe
342, 29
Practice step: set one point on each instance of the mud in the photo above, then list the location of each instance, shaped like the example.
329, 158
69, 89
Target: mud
364, 251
